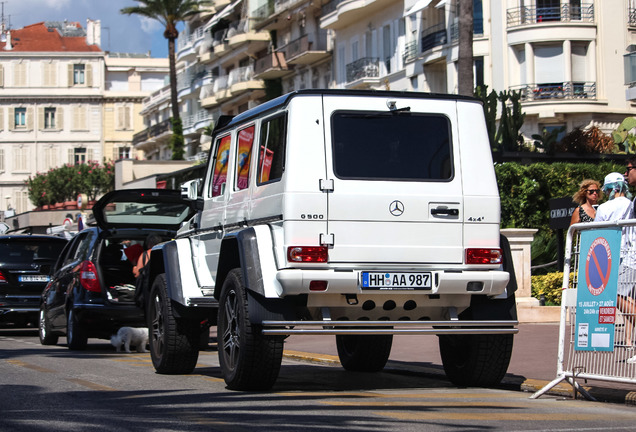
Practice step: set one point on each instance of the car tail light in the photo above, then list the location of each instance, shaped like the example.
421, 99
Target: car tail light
3, 279
307, 254
484, 256
88, 277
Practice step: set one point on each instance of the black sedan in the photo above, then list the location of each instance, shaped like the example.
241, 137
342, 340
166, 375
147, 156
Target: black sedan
92, 288
25, 266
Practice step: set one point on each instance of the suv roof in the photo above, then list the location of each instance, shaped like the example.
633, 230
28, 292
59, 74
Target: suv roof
142, 208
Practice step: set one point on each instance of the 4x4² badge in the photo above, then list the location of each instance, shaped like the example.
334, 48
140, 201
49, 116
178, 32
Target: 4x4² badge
396, 208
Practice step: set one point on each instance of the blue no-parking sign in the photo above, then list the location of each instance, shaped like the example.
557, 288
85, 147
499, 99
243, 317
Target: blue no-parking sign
599, 258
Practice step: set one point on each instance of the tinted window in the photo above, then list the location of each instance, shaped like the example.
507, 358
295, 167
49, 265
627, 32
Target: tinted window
84, 246
17, 251
387, 146
271, 156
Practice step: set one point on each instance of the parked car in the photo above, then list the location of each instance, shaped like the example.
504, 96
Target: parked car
25, 265
91, 291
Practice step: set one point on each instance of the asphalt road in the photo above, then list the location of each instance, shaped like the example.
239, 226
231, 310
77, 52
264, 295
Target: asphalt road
48, 388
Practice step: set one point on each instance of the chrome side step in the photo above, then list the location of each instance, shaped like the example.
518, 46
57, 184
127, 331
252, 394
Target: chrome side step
388, 327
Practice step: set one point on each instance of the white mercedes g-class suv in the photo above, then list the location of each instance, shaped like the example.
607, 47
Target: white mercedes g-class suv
361, 214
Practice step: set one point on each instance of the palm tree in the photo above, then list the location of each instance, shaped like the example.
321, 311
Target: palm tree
170, 13
465, 54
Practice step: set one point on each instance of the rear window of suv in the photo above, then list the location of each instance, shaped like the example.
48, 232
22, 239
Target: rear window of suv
391, 146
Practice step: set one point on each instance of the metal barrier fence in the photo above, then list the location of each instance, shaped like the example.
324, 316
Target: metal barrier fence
597, 339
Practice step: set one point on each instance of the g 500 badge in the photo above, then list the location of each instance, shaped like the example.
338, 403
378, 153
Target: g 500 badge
312, 216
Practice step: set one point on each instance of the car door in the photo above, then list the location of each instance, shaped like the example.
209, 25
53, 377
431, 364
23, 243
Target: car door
205, 242
397, 195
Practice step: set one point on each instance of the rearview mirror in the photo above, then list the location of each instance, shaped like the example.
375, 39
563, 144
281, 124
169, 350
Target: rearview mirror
190, 190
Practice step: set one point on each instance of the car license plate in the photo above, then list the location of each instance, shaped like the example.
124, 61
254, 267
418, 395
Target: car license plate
396, 280
33, 278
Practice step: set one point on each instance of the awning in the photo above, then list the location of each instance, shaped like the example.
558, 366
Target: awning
418, 6
441, 4
225, 12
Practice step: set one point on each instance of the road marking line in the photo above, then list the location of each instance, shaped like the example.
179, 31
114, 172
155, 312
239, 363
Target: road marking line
423, 404
31, 366
489, 416
90, 385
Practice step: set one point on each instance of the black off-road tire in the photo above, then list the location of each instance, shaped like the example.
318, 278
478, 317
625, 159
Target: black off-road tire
174, 342
364, 353
44, 330
249, 360
76, 337
479, 360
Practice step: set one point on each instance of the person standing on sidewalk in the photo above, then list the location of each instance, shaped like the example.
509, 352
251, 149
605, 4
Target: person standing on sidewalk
618, 202
586, 197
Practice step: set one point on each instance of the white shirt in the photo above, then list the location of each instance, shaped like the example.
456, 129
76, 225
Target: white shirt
612, 210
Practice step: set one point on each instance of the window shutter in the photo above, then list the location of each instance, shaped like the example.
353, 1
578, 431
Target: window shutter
70, 75
128, 111
40, 118
548, 64
2, 160
1, 118
89, 75
120, 117
11, 118
71, 156
1, 76
59, 118
579, 57
90, 154
29, 118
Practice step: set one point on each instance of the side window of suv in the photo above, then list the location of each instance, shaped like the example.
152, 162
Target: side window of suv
221, 159
271, 156
244, 149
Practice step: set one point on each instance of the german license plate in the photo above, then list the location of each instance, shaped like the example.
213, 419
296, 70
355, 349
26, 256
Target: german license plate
33, 278
396, 280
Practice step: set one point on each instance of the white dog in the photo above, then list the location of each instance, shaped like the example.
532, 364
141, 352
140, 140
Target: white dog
126, 336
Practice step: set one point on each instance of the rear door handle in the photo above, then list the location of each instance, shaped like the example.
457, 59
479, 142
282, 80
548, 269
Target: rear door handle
445, 211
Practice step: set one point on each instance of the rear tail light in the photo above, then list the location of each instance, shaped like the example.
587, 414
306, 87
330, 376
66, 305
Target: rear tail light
316, 254
88, 277
3, 279
484, 256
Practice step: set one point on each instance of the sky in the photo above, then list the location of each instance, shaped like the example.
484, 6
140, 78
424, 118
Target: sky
120, 33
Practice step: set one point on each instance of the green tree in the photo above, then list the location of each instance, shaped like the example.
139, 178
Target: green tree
169, 13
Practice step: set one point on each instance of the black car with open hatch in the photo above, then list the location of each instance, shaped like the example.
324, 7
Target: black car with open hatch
92, 287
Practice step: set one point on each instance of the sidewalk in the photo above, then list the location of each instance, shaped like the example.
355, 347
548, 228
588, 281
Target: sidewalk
532, 366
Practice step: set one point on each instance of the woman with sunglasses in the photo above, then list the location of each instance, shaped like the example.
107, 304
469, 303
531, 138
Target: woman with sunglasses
586, 197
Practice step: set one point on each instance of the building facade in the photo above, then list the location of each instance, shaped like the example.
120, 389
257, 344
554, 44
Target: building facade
573, 61
64, 100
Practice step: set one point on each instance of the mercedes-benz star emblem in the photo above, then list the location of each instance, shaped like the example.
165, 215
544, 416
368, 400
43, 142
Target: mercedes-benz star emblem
396, 208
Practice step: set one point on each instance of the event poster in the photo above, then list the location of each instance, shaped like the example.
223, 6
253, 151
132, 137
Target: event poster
220, 166
245, 140
599, 259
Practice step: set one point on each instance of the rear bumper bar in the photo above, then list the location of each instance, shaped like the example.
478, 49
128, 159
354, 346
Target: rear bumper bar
454, 327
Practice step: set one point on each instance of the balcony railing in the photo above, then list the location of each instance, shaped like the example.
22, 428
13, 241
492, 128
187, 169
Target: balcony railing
264, 11
196, 118
240, 75
565, 13
270, 61
331, 6
302, 45
152, 131
410, 52
631, 17
365, 67
434, 36
551, 91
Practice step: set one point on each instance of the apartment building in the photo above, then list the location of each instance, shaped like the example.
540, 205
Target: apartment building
64, 100
573, 61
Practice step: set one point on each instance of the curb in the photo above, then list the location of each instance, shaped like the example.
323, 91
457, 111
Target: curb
563, 389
